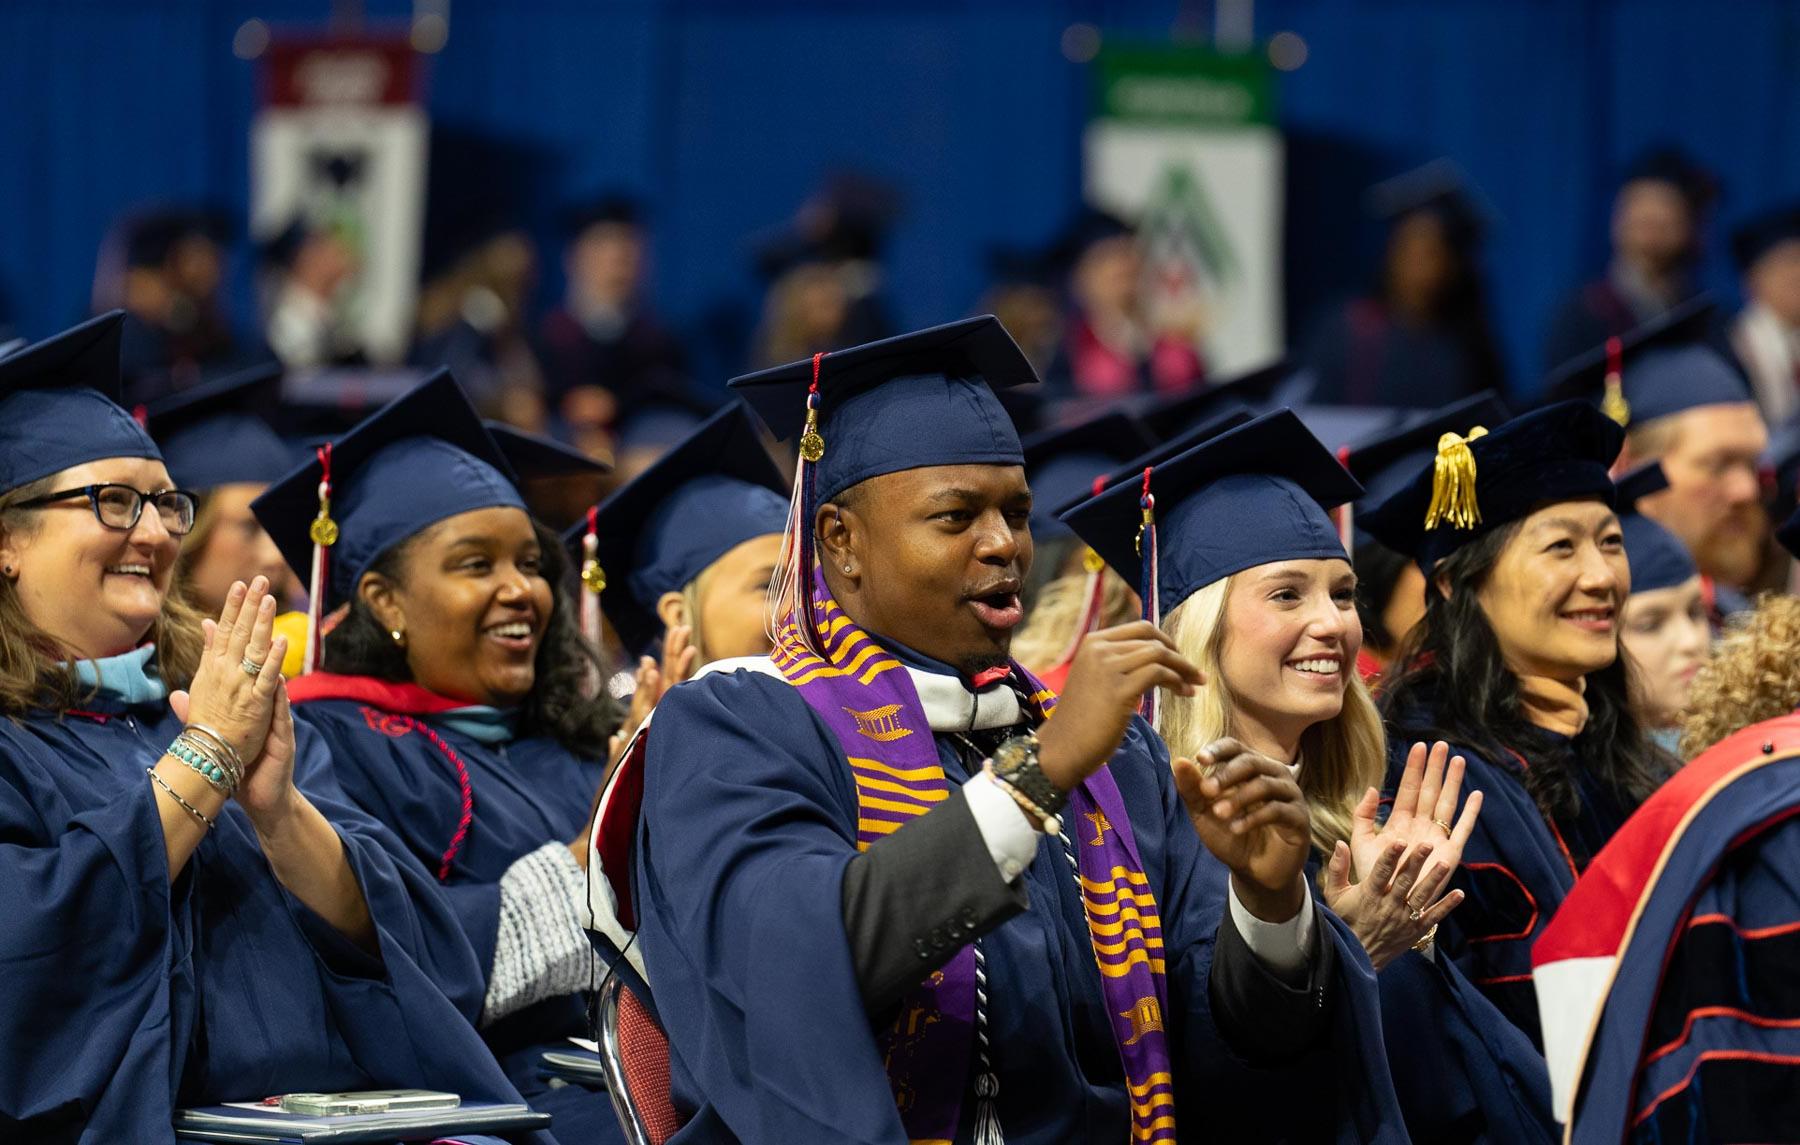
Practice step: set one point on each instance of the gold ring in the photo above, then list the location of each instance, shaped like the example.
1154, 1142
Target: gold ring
1442, 824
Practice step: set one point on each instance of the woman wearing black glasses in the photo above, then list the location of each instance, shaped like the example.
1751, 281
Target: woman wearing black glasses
189, 915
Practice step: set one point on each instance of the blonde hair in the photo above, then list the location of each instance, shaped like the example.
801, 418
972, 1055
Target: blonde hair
1050, 628
35, 669
1344, 756
1754, 675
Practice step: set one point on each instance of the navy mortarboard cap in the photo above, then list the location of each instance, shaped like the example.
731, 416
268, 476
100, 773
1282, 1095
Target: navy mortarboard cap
1476, 483
58, 404
1386, 461
1272, 386
217, 434
1439, 188
534, 457
1763, 234
916, 400
1660, 367
1089, 226
1658, 558
421, 458
663, 416
152, 237
613, 208
1252, 495
1062, 465
1668, 164
707, 495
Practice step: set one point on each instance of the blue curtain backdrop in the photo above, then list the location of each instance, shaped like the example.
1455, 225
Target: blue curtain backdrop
725, 113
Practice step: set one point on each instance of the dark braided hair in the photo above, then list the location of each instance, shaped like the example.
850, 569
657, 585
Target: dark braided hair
563, 703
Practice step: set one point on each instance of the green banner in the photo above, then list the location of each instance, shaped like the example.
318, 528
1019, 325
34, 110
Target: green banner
1179, 85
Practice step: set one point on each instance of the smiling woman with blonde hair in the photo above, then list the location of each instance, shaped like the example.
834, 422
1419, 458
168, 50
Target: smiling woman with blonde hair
1255, 589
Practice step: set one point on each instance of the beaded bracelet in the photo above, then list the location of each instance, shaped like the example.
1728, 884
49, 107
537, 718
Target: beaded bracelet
227, 754
200, 757
204, 819
1047, 822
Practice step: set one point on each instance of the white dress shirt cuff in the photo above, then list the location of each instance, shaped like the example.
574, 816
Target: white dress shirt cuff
1009, 836
1281, 946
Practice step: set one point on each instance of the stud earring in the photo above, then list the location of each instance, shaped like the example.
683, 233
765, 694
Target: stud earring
399, 637
846, 568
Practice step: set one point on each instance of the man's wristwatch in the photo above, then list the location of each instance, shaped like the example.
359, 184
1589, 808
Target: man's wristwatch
1015, 765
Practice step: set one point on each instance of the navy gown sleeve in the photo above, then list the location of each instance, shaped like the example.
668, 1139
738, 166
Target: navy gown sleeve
741, 860
369, 772
1463, 1073
94, 954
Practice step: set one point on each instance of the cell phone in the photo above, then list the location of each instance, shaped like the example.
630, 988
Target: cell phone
367, 1101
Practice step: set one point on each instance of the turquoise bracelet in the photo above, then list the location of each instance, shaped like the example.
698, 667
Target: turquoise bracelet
186, 752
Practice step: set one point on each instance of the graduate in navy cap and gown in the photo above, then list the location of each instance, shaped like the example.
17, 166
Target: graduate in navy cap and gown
1516, 664
1668, 982
880, 899
1422, 336
216, 441
1664, 628
1390, 590
558, 481
1683, 402
1658, 229
1251, 581
1765, 334
194, 913
680, 559
458, 701
1070, 591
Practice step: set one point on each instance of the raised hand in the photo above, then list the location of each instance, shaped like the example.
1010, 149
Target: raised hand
1424, 809
1381, 908
268, 789
223, 694
1249, 812
1387, 883
1112, 670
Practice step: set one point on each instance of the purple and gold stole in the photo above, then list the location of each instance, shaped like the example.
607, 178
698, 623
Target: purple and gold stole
868, 700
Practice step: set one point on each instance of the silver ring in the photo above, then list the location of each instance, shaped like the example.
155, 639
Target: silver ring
1416, 914
251, 668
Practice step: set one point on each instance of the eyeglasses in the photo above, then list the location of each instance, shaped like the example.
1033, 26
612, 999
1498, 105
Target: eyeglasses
120, 506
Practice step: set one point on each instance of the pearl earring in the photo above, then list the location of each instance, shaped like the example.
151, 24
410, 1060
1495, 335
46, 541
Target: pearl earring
399, 637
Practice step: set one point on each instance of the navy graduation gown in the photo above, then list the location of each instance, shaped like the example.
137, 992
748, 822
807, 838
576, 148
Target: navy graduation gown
525, 794
1461, 1071
127, 996
749, 821
1516, 869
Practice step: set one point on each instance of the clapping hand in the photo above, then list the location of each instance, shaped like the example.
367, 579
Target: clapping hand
1387, 881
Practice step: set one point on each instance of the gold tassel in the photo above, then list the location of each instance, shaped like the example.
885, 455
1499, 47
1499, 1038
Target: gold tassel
1614, 405
1453, 498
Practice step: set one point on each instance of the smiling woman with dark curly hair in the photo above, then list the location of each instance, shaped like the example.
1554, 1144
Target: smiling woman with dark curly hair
460, 704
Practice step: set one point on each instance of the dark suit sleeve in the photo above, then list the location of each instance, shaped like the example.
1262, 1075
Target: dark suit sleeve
1264, 1016
919, 895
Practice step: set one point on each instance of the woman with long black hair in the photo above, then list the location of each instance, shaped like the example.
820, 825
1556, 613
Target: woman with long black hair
461, 705
1516, 664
